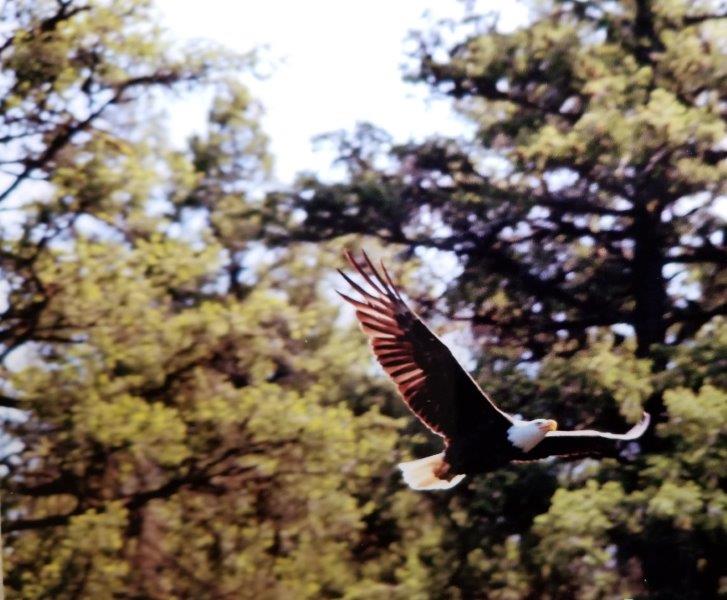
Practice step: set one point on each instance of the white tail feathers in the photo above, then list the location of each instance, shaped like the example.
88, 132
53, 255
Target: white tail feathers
420, 474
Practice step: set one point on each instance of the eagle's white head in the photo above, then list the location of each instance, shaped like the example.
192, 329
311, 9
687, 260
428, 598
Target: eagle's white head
528, 434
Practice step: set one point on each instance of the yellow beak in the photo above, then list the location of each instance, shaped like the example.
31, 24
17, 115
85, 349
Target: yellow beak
550, 425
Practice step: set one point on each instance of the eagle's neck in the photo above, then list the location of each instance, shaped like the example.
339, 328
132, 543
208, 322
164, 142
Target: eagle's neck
525, 435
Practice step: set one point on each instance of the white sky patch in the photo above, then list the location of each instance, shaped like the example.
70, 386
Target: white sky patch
4, 292
623, 329
461, 343
337, 63
442, 266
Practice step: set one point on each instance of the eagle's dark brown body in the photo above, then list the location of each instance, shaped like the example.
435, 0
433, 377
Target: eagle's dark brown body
480, 452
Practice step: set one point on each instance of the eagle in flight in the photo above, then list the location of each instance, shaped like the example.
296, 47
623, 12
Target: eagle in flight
478, 436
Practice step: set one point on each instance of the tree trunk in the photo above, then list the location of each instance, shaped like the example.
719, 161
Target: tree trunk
649, 285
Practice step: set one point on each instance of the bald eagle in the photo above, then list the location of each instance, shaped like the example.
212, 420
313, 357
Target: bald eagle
478, 436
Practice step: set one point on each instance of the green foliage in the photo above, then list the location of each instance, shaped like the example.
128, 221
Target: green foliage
574, 552
180, 424
90, 549
583, 219
188, 415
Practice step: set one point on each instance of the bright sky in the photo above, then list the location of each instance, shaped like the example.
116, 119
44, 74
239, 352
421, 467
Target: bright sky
338, 63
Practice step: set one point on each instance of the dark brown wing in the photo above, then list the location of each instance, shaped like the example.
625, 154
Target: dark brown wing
587, 442
432, 383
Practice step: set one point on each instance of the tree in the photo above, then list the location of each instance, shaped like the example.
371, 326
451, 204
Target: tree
583, 216
180, 420
609, 121
68, 80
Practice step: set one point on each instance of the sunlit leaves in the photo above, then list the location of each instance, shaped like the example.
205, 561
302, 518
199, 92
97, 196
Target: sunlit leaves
88, 548
574, 551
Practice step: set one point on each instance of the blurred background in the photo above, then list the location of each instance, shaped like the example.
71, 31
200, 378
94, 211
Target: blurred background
187, 408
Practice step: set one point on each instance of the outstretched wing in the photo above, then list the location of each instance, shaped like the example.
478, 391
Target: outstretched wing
587, 442
432, 383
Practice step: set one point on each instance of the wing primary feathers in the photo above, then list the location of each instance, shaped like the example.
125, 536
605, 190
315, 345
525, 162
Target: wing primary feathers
407, 376
431, 382
383, 321
412, 385
385, 330
390, 282
639, 429
378, 277
394, 361
387, 345
357, 303
362, 291
363, 273
398, 373
384, 355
